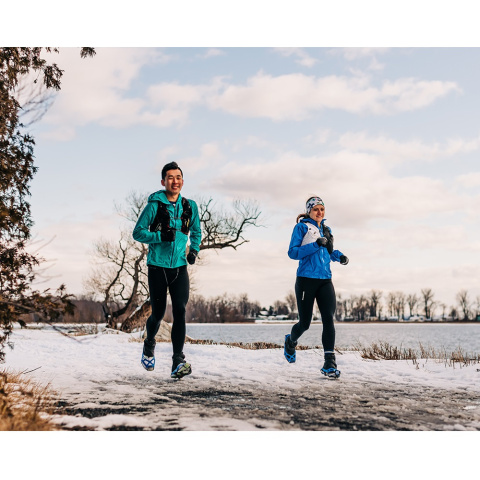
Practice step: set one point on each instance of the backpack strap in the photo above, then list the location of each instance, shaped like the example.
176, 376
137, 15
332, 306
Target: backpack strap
162, 218
186, 216
161, 222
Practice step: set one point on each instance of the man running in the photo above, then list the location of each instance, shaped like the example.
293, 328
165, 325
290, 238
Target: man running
166, 224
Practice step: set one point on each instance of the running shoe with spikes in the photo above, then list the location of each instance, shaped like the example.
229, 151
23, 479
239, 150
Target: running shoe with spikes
329, 368
180, 367
148, 355
289, 349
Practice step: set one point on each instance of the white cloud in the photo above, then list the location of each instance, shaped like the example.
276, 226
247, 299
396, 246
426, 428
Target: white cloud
296, 96
96, 90
470, 180
213, 52
357, 187
210, 155
302, 56
394, 151
357, 53
319, 137
411, 94
252, 141
165, 153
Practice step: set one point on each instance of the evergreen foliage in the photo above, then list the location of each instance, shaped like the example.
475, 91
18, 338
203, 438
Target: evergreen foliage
17, 169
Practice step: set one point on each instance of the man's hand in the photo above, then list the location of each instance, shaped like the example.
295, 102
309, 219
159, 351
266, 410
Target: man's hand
343, 259
192, 256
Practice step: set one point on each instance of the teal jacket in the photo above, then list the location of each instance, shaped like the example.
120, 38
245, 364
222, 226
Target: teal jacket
167, 254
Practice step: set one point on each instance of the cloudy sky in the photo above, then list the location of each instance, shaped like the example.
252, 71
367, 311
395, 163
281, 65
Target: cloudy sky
388, 137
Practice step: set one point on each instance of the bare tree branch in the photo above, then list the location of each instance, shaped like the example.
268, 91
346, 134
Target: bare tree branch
221, 230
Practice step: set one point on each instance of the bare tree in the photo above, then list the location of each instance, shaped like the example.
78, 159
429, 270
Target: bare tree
412, 302
291, 301
464, 303
400, 301
428, 302
349, 305
373, 301
391, 303
280, 308
443, 306
361, 307
339, 311
120, 273
119, 276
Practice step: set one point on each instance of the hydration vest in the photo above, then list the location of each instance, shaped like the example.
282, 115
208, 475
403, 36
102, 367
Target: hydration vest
314, 232
161, 222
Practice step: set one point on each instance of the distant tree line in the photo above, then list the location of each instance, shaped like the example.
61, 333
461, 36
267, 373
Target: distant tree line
227, 308
376, 305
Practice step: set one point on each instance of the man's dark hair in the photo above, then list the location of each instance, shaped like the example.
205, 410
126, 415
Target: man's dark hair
170, 166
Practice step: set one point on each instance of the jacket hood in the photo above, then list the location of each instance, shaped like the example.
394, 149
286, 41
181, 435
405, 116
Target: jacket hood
160, 196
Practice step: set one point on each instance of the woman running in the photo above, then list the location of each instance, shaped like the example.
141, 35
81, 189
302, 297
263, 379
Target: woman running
312, 244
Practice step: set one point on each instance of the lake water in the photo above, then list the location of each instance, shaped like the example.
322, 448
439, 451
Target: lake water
439, 336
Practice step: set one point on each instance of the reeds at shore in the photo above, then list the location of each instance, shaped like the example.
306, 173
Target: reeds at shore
385, 351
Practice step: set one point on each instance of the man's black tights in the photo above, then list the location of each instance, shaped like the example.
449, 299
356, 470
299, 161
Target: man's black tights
178, 284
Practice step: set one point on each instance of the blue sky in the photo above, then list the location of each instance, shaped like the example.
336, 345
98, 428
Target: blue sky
388, 137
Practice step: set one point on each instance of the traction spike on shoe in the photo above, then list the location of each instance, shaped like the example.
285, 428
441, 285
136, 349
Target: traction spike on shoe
181, 370
288, 352
331, 372
148, 363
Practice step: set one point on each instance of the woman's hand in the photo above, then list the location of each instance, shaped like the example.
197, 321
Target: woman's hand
321, 241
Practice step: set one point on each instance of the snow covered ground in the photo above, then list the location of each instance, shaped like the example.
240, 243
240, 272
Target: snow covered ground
102, 387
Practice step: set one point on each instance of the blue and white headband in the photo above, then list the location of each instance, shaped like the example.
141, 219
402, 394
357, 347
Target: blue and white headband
312, 202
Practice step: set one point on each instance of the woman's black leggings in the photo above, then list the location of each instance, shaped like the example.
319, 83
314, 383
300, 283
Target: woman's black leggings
307, 290
177, 282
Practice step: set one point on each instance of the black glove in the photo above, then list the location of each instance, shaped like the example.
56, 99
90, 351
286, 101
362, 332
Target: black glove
329, 237
192, 256
321, 241
343, 260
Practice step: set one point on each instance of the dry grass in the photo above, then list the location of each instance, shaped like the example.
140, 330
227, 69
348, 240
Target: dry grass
24, 404
249, 346
246, 346
385, 351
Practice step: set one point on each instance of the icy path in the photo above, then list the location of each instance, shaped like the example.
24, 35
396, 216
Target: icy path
103, 387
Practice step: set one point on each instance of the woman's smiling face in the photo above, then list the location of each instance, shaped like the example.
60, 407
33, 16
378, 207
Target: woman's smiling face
317, 213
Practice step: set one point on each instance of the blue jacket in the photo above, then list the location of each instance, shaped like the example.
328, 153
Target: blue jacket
314, 260
167, 254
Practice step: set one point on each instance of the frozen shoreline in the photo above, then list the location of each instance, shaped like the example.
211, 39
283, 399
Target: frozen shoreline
103, 387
